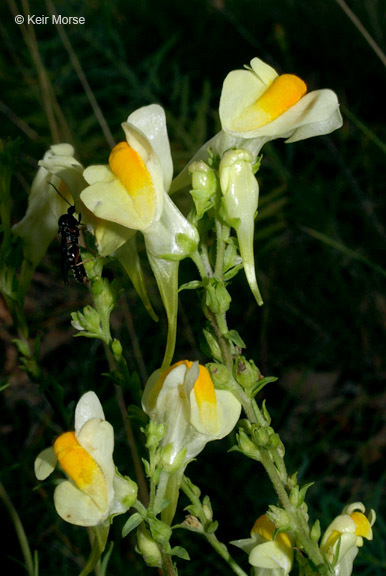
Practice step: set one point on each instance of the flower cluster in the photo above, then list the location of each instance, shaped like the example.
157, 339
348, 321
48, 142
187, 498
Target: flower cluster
271, 552
131, 195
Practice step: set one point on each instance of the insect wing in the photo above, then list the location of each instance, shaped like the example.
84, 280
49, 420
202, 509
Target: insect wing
64, 259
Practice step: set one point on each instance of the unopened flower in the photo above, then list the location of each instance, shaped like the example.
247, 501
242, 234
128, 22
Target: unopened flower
94, 491
240, 196
345, 535
269, 556
195, 413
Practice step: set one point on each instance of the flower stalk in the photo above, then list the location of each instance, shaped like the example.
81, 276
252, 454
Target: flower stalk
199, 522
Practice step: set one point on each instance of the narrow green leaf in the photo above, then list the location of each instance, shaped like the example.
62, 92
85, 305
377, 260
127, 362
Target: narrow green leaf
132, 523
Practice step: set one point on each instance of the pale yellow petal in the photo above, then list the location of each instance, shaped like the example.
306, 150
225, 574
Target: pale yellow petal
75, 506
45, 463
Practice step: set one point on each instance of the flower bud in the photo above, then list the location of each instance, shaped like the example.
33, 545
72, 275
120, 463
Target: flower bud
88, 321
315, 531
148, 548
169, 461
116, 348
213, 345
217, 297
219, 374
279, 517
154, 433
246, 372
204, 184
247, 446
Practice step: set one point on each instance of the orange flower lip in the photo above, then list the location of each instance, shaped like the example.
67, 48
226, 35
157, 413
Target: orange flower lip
128, 167
284, 92
81, 468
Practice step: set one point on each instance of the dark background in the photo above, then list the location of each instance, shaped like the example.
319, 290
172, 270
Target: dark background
321, 330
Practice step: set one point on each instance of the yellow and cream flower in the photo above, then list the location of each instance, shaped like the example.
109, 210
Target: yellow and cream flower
132, 192
270, 556
257, 105
195, 413
94, 491
39, 226
184, 398
345, 535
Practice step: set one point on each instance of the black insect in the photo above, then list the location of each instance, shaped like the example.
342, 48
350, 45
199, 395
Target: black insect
71, 258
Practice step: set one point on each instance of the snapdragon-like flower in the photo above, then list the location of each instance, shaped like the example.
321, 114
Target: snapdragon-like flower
39, 226
270, 557
345, 535
195, 413
94, 491
258, 105
132, 191
56, 186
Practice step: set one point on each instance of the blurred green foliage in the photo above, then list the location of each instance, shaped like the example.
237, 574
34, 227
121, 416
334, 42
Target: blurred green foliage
321, 329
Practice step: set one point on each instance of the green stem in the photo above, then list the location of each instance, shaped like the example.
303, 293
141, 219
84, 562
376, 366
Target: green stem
19, 530
275, 467
298, 521
218, 546
168, 566
222, 232
225, 348
273, 462
202, 264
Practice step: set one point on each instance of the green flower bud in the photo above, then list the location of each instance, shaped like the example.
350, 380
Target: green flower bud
293, 479
261, 436
116, 348
246, 372
148, 548
220, 375
207, 508
247, 446
204, 184
279, 517
275, 440
154, 434
213, 345
131, 492
315, 531
217, 297
88, 321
